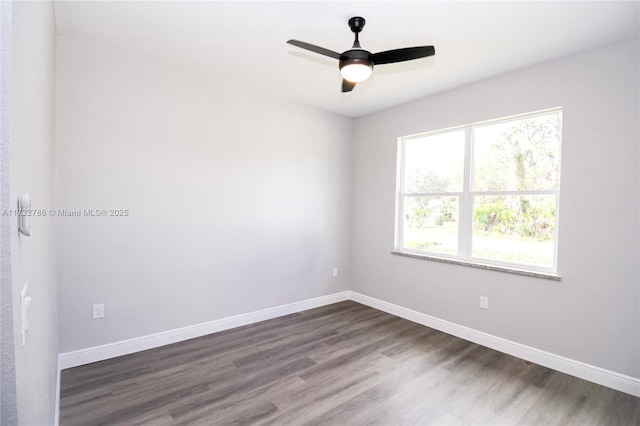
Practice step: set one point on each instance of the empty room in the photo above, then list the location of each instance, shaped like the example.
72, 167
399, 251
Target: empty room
335, 213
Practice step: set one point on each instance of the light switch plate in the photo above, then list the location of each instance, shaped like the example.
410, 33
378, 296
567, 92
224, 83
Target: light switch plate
25, 303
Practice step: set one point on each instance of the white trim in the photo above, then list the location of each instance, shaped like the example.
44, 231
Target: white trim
125, 347
601, 376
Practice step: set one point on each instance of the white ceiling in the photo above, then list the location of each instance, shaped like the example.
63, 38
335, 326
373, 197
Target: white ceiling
243, 43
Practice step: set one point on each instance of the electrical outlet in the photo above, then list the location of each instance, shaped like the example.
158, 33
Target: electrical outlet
98, 311
335, 272
484, 302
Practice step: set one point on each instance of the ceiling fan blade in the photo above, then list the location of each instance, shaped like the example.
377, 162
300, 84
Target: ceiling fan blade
347, 86
315, 49
400, 55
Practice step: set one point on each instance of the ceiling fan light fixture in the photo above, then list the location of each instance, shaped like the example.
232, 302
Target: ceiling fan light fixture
356, 64
356, 72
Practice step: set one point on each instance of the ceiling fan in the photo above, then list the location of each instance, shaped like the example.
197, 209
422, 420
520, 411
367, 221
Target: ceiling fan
356, 64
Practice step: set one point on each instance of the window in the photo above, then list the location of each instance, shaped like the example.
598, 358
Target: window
485, 193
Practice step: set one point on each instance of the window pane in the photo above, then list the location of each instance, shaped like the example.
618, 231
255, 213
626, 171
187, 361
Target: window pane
434, 163
516, 229
518, 155
431, 224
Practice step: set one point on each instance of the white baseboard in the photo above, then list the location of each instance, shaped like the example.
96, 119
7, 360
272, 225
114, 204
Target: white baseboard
125, 347
611, 379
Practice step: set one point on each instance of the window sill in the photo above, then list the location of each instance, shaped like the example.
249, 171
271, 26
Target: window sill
534, 274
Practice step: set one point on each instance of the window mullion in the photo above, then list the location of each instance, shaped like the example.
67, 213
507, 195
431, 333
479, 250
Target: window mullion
431, 194
465, 221
523, 192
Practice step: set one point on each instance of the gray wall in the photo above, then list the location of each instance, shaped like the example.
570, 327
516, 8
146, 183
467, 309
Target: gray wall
237, 202
32, 171
592, 315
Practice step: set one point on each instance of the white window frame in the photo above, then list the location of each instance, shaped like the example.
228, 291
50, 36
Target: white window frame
465, 207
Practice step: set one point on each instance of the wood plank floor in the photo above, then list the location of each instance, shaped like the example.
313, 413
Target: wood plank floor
342, 364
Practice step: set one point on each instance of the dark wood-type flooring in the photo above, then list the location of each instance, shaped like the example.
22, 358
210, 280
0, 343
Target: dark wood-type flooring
342, 364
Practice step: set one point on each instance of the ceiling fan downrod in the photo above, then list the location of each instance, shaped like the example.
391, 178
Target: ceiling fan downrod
357, 24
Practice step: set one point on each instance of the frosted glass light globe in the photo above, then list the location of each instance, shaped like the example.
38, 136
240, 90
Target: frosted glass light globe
356, 73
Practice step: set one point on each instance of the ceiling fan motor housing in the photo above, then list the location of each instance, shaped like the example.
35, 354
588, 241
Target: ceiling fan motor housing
355, 56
